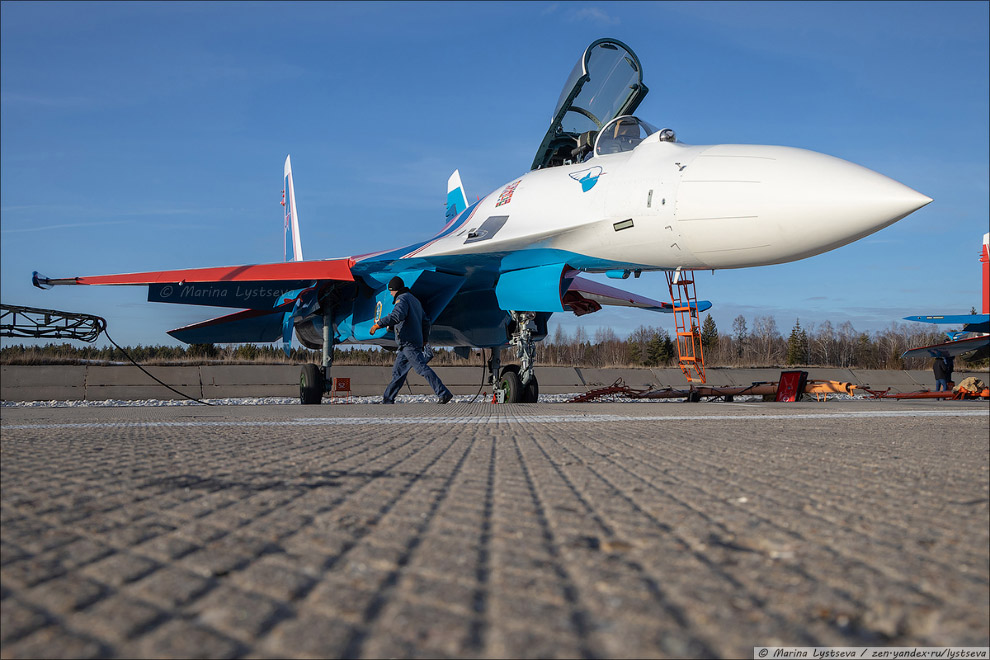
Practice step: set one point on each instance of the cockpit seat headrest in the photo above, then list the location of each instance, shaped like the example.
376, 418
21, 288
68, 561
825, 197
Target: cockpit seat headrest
585, 143
625, 129
587, 138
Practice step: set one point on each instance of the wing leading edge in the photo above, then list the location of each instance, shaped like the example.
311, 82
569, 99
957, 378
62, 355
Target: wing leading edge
969, 322
329, 269
948, 348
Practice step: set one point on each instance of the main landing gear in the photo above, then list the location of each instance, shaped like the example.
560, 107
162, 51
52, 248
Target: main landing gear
314, 379
517, 383
312, 384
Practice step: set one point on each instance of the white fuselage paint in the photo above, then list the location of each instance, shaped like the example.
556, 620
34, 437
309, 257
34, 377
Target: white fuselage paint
722, 206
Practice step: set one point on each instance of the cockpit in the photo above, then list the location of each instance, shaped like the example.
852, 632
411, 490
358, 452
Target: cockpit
622, 134
593, 116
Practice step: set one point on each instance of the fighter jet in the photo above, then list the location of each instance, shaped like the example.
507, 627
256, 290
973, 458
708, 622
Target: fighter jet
975, 333
607, 192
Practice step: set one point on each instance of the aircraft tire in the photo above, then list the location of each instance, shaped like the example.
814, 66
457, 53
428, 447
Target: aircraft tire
531, 391
310, 385
510, 384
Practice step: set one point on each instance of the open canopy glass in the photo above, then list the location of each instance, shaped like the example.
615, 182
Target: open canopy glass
606, 82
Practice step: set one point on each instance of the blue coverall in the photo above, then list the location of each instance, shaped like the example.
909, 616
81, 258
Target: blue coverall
407, 317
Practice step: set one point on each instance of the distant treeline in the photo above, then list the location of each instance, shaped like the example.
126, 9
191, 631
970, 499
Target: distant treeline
759, 345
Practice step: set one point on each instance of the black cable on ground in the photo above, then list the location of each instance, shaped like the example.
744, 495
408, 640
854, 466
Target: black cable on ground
484, 368
183, 394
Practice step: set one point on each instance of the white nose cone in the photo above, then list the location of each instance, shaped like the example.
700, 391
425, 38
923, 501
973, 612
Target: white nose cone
743, 205
811, 188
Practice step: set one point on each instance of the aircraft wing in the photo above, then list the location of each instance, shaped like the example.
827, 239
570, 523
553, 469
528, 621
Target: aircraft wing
948, 348
329, 269
274, 295
585, 296
250, 325
970, 322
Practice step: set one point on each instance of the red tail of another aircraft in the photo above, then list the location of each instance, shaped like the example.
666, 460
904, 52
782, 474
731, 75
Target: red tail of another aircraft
976, 327
985, 258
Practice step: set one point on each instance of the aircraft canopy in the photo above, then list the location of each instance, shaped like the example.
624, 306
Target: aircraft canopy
606, 82
622, 134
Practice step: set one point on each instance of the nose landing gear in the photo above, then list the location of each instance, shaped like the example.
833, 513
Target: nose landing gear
517, 383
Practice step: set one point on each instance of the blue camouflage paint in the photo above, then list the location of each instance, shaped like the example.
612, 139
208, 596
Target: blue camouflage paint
536, 289
243, 295
456, 202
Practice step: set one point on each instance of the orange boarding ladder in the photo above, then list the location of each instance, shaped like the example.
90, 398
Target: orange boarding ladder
691, 358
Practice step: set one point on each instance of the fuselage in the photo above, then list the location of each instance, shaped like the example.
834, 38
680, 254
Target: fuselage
667, 205
659, 205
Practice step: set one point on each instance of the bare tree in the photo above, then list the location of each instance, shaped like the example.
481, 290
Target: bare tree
767, 339
823, 345
741, 336
610, 351
846, 342
638, 344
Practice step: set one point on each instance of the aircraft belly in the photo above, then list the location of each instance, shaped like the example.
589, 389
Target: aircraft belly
472, 318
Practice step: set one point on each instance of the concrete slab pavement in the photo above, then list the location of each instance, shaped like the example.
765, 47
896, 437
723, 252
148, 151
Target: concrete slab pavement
529, 530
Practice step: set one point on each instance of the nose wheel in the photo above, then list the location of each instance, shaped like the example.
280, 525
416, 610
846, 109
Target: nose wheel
512, 388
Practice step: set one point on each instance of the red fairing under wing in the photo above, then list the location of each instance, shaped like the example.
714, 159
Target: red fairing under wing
585, 296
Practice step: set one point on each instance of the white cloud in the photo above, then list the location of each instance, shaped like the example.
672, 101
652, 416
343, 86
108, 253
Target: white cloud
62, 226
38, 100
594, 14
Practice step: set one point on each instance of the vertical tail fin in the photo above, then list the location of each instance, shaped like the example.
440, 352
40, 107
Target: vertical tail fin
456, 199
291, 217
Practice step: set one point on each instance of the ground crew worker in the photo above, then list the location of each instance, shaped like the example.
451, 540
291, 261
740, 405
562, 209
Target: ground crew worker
943, 372
408, 318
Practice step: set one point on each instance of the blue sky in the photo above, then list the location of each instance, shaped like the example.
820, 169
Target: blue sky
145, 136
